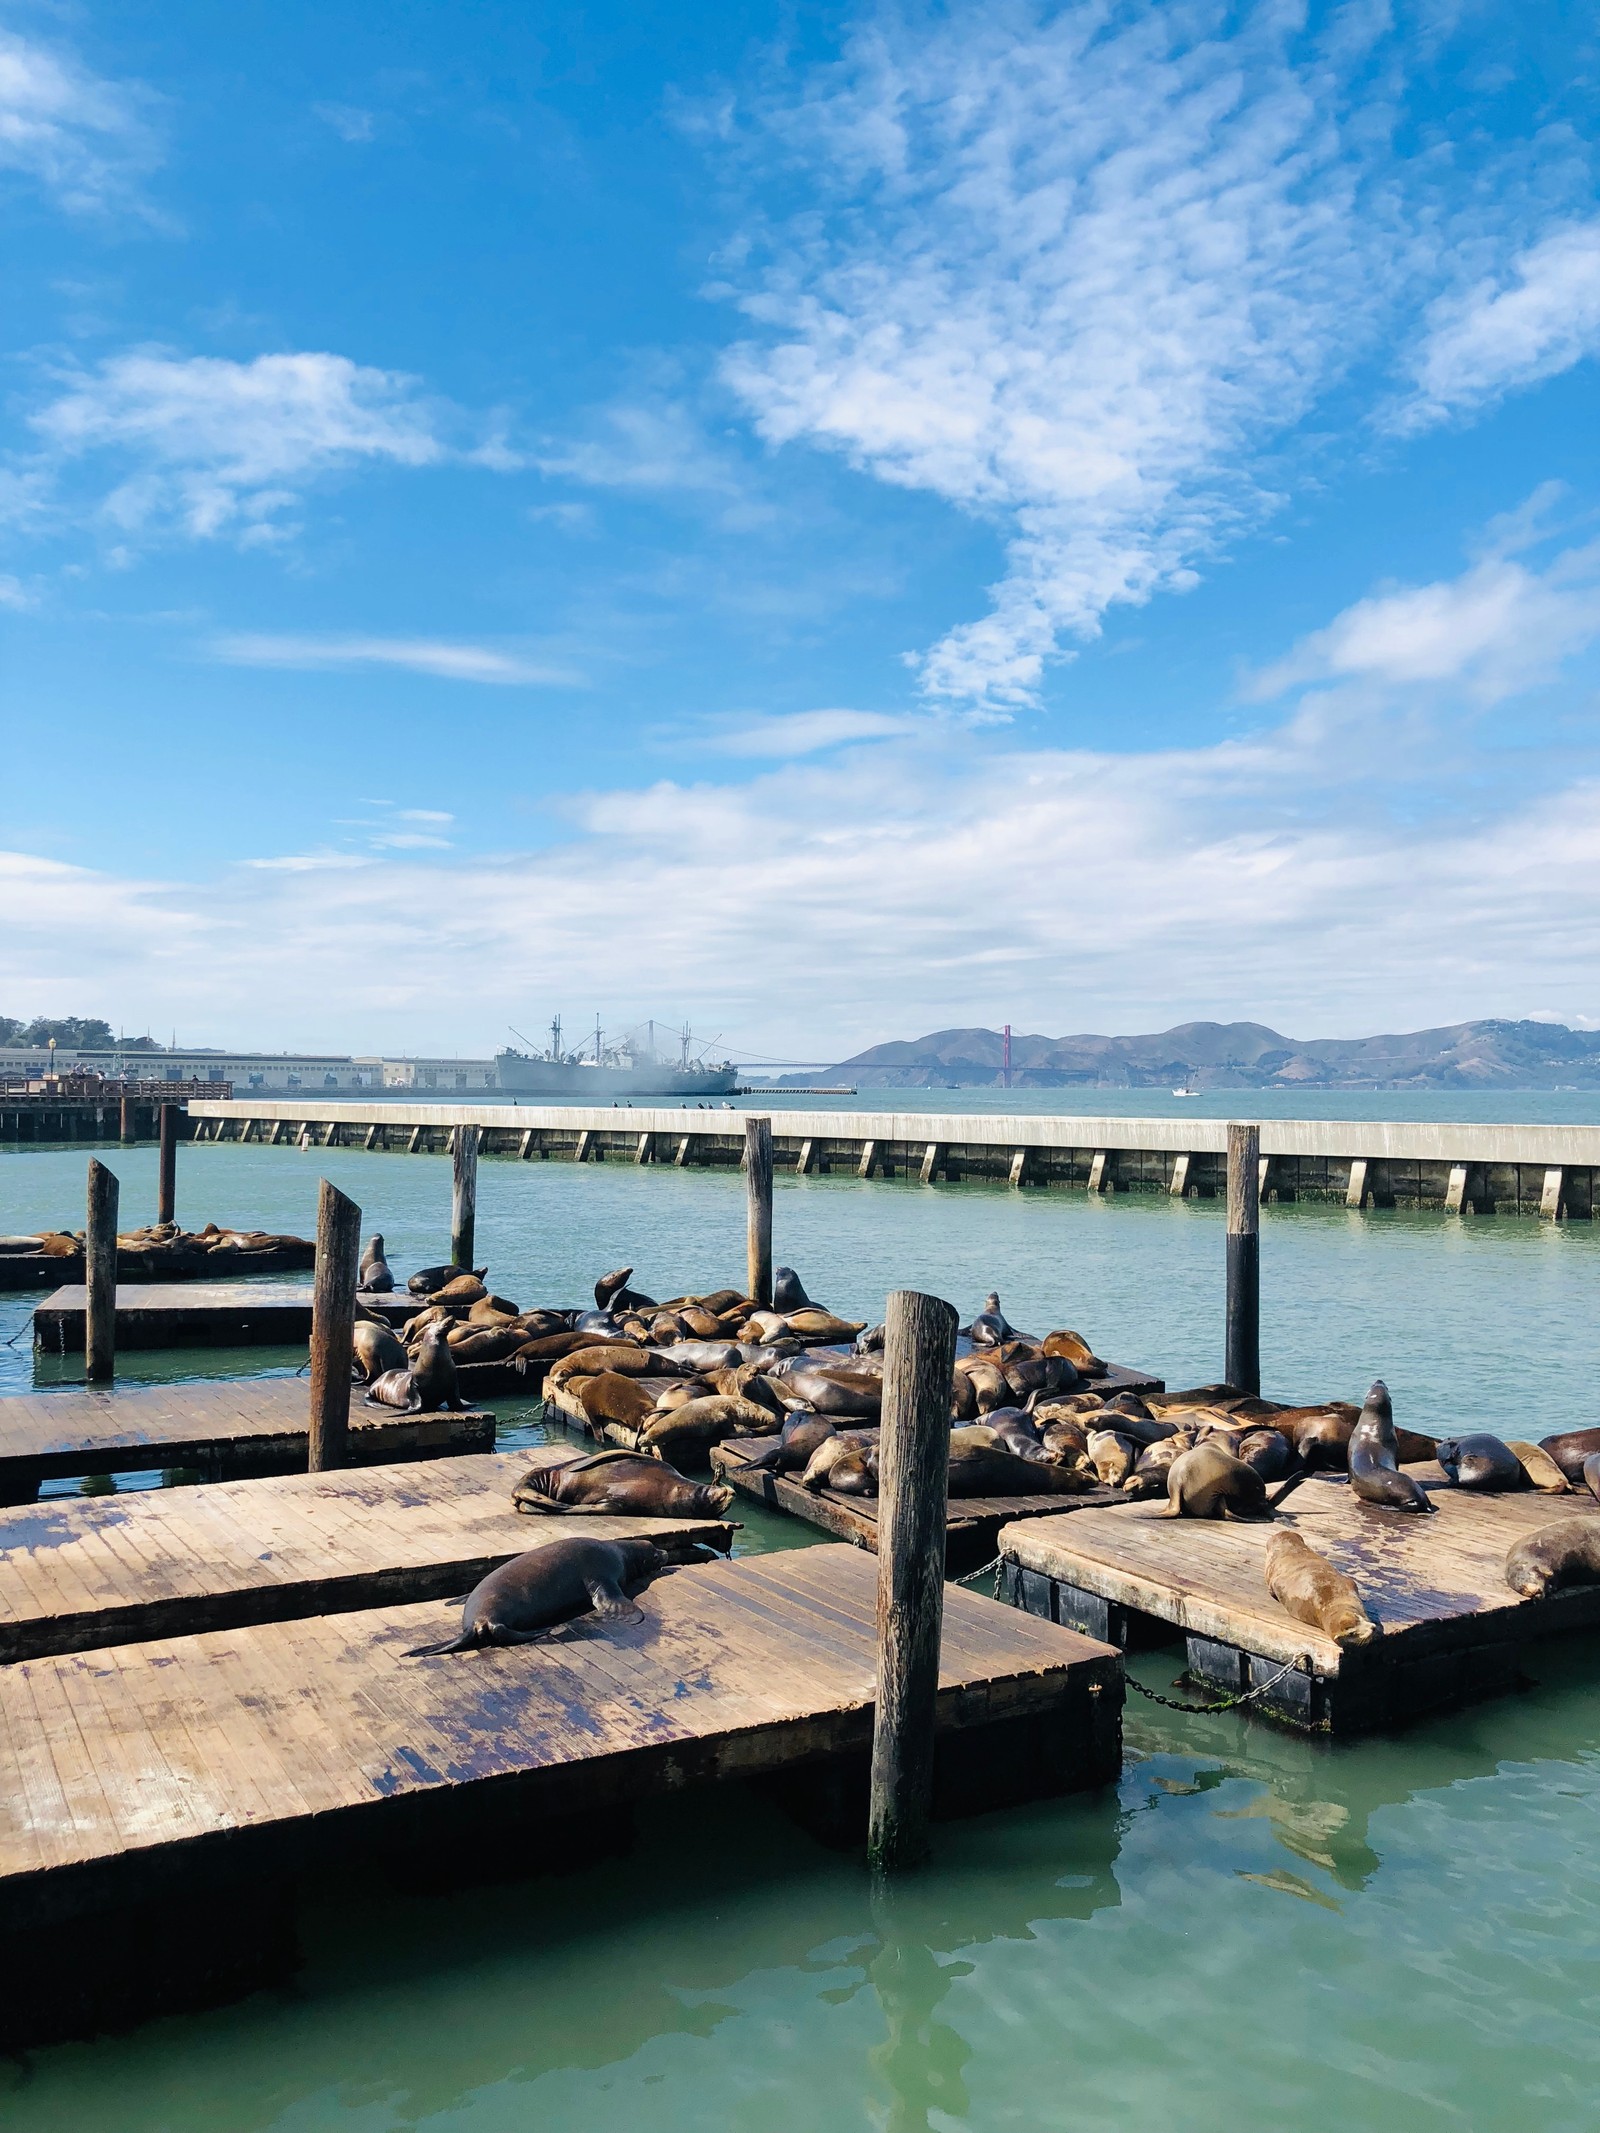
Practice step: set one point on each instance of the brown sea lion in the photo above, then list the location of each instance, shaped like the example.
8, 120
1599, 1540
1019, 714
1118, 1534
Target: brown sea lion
608, 1396
550, 1584
1210, 1483
832, 1392
1307, 1586
484, 1344
493, 1310
791, 1453
706, 1421
1539, 1467
430, 1386
839, 1444
428, 1279
1065, 1440
979, 1469
748, 1382
621, 1484
621, 1357
552, 1347
1564, 1553
1480, 1461
1149, 1476
856, 1474
374, 1349
1112, 1456
1591, 1475
702, 1356
376, 1275
1267, 1450
1375, 1475
1076, 1351
1569, 1450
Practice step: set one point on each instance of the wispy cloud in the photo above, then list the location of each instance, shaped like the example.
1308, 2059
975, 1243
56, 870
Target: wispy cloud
348, 121
799, 733
1540, 318
648, 444
86, 141
444, 659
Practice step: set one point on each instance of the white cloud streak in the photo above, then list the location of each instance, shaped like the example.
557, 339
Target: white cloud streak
798, 733
443, 660
85, 141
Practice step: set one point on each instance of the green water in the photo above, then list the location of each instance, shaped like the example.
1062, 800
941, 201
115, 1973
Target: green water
1252, 1931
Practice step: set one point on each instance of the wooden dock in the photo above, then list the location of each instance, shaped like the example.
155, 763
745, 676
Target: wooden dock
216, 1314
159, 1800
972, 1523
226, 1427
1453, 1631
48, 1270
81, 1573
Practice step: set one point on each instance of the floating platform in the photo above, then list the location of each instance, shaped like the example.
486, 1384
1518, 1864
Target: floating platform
159, 1800
227, 1427
972, 1523
83, 1573
222, 1314
1453, 1631
48, 1270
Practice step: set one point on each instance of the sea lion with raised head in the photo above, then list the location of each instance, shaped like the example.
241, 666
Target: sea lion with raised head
1307, 1586
621, 1485
788, 1291
373, 1350
990, 1326
429, 1386
1564, 1553
1210, 1483
1375, 1475
1481, 1461
571, 1576
376, 1275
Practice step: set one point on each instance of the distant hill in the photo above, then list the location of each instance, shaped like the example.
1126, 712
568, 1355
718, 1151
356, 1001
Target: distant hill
1238, 1055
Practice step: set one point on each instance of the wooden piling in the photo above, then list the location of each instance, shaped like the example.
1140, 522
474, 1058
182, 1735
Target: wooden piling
464, 1198
100, 1275
758, 1181
167, 1186
333, 1310
1242, 1366
127, 1123
913, 1477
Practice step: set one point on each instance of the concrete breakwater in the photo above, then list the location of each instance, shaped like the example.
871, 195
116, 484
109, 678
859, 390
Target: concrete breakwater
1534, 1170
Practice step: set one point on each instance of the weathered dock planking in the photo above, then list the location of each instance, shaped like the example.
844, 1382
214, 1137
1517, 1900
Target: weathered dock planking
223, 1427
84, 1573
158, 1800
1453, 1631
48, 1270
972, 1523
223, 1314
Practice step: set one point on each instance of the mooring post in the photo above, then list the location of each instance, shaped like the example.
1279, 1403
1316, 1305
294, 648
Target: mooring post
758, 1183
464, 1197
167, 1185
1242, 1367
127, 1123
919, 1353
100, 1275
333, 1315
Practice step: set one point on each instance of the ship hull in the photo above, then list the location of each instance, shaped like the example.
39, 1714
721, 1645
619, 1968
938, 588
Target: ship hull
520, 1076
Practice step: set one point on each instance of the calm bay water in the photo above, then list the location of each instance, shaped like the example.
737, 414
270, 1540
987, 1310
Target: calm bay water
1252, 1930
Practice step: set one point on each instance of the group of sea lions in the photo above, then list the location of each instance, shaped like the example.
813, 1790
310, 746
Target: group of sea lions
159, 1240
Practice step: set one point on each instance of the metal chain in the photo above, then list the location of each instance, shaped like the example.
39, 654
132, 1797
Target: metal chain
1168, 1703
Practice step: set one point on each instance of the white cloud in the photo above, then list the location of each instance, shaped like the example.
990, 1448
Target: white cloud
1498, 628
348, 121
797, 733
14, 594
1070, 274
1540, 319
83, 139
641, 444
215, 447
445, 660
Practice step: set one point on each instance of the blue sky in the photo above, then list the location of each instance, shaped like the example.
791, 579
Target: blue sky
827, 523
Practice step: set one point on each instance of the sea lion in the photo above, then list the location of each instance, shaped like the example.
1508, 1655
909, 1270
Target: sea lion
622, 1485
1267, 1450
1077, 1351
788, 1291
1565, 1553
1481, 1461
374, 1349
820, 1328
623, 1357
832, 1392
376, 1275
608, 1396
1066, 1442
429, 1278
430, 1386
1307, 1586
791, 1453
1112, 1456
494, 1311
1375, 1474
871, 1341
838, 1445
987, 1469
1570, 1449
484, 1344
1591, 1475
1041, 1374
701, 1356
1540, 1469
705, 1421
606, 1322
856, 1474
747, 1381
551, 1584
1210, 1483
986, 1383
990, 1326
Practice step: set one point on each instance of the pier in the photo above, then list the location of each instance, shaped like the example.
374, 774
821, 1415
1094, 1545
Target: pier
224, 1314
1547, 1171
1452, 1630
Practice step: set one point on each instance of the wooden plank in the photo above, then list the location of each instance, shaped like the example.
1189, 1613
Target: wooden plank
86, 1573
246, 1425
288, 1742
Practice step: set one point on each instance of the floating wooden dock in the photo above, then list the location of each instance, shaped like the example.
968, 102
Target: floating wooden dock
158, 1800
225, 1427
48, 1270
1453, 1631
972, 1523
222, 1314
82, 1573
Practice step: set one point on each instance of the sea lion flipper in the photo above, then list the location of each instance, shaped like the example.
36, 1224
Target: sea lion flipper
611, 1603
466, 1642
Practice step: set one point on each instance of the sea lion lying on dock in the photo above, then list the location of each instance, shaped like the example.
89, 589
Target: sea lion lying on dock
619, 1484
1481, 1461
705, 1421
1076, 1350
1308, 1587
1209, 1482
1112, 1456
426, 1280
429, 1387
608, 1396
551, 1584
1375, 1475
840, 1444
1570, 1449
982, 1468
1540, 1469
791, 1453
1566, 1552
373, 1350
